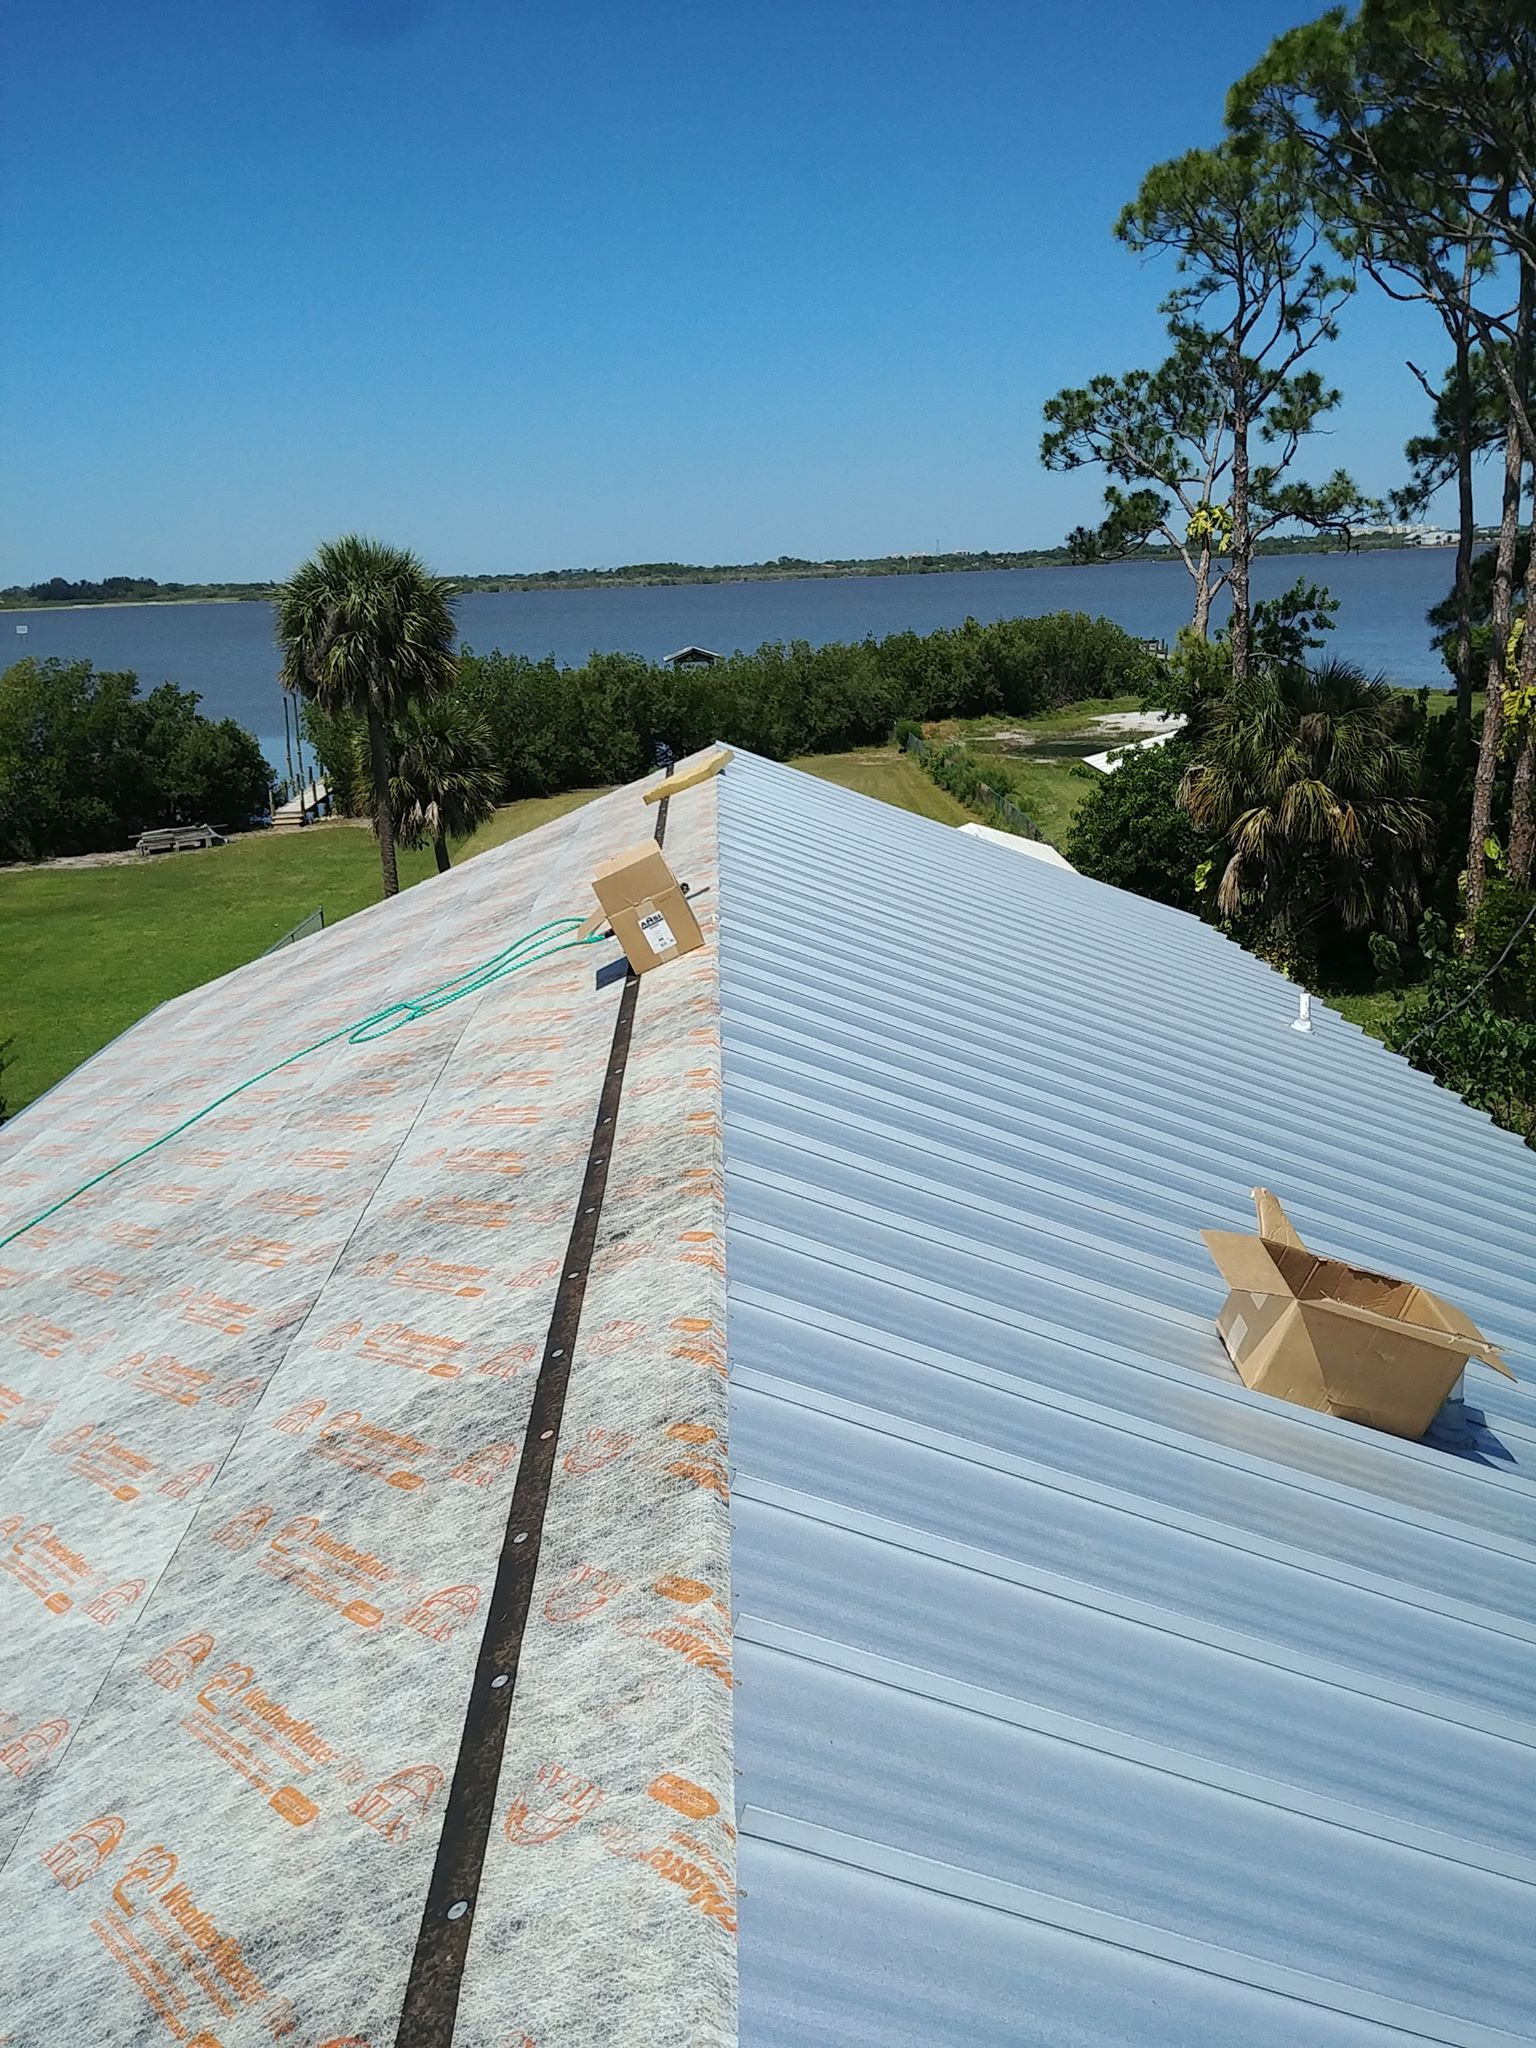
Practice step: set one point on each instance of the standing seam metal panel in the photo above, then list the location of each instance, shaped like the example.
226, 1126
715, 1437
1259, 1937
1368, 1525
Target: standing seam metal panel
1089, 1696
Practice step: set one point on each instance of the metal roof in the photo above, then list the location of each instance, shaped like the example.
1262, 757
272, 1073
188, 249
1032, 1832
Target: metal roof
1081, 1696
1086, 1696
1015, 842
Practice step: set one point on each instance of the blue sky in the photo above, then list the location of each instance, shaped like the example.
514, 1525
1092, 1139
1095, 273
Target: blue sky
589, 283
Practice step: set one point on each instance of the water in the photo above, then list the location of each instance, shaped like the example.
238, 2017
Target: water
226, 651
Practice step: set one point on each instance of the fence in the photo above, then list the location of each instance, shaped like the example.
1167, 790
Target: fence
315, 922
980, 795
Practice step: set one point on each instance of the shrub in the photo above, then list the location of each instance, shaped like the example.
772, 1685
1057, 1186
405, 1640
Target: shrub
1472, 1023
1386, 959
1130, 830
86, 762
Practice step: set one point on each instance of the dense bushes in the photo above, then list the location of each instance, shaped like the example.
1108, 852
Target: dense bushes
989, 789
86, 763
1130, 830
1472, 1022
562, 728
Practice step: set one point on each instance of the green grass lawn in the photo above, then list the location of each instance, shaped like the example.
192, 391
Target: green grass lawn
1049, 792
892, 776
1371, 1011
513, 820
87, 951
1044, 780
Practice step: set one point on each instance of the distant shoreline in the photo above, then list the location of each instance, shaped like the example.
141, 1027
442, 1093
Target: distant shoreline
669, 576
122, 604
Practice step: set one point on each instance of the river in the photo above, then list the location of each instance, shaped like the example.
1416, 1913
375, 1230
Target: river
226, 651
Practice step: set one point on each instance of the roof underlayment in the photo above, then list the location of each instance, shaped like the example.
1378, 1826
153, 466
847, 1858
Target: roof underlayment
264, 1398
1080, 1694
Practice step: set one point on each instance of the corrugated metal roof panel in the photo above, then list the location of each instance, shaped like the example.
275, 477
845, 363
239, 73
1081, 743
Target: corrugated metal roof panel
1086, 1695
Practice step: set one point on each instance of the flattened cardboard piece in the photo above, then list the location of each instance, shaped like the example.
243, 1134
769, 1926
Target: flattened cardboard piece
689, 778
648, 911
1327, 1335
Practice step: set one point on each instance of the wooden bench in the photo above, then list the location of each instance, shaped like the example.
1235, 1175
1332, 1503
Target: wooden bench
179, 839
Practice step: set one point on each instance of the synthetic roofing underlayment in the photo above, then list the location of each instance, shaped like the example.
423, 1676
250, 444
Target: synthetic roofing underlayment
1080, 1695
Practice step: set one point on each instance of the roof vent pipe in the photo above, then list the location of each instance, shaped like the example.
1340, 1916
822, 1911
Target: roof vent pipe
1451, 1425
1302, 1021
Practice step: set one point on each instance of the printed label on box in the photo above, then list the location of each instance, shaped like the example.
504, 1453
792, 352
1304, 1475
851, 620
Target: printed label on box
659, 935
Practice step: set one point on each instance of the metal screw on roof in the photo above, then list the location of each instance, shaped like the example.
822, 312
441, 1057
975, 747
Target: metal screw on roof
458, 1909
501, 1679
521, 1536
545, 1435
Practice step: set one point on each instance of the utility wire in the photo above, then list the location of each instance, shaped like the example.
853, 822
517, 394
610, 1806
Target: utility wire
1446, 1015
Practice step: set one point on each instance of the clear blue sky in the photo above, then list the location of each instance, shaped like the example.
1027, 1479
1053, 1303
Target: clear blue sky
533, 286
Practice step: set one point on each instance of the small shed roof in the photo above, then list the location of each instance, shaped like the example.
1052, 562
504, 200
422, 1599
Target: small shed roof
693, 657
1035, 849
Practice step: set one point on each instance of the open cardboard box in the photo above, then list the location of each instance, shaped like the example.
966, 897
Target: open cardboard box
1328, 1335
643, 901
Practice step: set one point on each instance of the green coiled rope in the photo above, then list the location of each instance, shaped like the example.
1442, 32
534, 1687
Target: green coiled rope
542, 943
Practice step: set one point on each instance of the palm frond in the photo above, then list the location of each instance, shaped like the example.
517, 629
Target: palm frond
1303, 774
446, 782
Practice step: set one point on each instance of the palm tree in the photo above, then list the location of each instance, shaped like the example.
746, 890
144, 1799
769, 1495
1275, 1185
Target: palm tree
446, 779
365, 628
1302, 772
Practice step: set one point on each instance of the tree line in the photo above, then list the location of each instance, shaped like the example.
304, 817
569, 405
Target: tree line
60, 590
119, 590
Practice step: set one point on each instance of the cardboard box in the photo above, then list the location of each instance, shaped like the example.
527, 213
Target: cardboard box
648, 911
1327, 1335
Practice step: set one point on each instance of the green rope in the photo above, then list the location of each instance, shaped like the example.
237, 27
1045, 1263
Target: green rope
542, 943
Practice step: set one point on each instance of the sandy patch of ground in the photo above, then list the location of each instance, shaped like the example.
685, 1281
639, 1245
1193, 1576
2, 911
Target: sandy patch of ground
1129, 724
131, 857
1110, 727
72, 860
